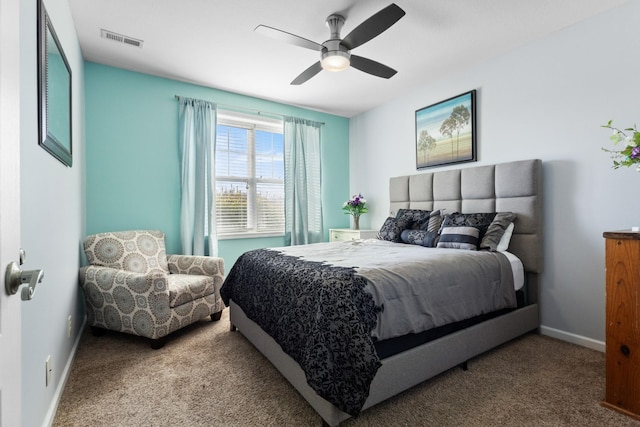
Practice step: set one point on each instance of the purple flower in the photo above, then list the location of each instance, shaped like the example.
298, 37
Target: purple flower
356, 205
635, 152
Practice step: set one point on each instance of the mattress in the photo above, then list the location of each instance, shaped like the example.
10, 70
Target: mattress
517, 268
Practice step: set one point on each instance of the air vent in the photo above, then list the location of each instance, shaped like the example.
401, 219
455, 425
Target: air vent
110, 35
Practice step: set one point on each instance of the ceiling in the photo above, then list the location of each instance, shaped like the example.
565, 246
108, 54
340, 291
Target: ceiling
212, 42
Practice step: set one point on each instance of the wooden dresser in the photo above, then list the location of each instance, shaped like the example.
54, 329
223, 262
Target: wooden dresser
622, 260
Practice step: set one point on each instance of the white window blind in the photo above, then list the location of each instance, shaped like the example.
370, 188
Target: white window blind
249, 175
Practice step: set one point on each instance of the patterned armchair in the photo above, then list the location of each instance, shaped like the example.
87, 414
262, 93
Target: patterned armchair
132, 286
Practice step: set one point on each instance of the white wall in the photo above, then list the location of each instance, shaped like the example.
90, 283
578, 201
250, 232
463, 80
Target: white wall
52, 224
546, 100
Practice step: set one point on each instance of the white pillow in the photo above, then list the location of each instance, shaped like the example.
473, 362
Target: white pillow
503, 244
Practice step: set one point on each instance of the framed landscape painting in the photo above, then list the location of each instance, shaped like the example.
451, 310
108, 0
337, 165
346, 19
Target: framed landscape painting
446, 132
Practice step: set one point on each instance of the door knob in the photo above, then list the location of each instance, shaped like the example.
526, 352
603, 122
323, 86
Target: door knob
14, 278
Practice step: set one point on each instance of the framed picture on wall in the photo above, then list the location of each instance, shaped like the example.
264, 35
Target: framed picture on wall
446, 132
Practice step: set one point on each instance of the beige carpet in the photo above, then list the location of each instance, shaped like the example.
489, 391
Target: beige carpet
208, 376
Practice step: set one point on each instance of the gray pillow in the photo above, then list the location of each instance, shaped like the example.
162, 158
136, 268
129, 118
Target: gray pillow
496, 230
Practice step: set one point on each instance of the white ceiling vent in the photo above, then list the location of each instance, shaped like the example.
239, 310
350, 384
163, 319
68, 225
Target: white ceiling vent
105, 34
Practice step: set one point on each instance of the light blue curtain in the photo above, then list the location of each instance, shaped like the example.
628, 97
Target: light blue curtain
303, 198
196, 122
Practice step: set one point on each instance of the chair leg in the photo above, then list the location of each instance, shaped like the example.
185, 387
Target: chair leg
157, 344
97, 332
216, 316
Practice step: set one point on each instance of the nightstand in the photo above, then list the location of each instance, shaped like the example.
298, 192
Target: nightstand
346, 234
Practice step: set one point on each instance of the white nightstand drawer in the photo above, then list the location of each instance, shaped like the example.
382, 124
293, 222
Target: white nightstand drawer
345, 234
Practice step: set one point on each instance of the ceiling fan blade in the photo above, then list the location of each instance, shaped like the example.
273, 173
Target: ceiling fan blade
372, 67
374, 26
307, 74
287, 37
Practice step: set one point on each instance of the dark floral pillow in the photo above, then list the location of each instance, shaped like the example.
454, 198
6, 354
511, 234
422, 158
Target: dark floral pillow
414, 218
428, 239
481, 221
391, 229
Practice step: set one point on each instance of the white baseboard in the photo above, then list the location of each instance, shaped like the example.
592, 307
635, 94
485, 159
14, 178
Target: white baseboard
53, 408
573, 338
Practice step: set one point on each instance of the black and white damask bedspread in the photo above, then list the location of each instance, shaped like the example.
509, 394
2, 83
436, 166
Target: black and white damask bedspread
320, 316
326, 303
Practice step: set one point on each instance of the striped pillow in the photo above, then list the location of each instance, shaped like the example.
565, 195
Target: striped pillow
459, 238
435, 221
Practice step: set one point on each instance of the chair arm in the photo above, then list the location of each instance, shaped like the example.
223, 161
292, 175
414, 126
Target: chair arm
196, 264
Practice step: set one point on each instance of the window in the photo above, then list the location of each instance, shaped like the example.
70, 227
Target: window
249, 175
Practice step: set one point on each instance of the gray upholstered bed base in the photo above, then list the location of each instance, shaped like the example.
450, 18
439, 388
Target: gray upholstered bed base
401, 371
515, 187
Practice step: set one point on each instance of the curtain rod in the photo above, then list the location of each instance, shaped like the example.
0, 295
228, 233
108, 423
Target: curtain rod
240, 109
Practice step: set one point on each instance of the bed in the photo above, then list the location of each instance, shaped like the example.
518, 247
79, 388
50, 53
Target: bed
253, 286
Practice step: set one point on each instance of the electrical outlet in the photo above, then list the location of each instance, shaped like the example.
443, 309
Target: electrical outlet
47, 364
69, 327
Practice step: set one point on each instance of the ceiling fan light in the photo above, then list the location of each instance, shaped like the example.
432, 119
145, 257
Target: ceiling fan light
335, 61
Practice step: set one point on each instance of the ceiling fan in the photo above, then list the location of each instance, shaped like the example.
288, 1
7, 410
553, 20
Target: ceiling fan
335, 53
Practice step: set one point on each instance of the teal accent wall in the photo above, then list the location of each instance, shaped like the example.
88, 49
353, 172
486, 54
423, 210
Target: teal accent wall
133, 171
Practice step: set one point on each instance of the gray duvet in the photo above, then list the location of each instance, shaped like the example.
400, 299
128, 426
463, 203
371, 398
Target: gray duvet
420, 288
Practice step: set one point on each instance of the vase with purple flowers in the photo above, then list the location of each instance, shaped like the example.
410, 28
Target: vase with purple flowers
355, 206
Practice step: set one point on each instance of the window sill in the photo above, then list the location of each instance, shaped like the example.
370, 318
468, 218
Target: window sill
235, 236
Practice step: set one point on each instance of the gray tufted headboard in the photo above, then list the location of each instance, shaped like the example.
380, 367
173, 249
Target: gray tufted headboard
505, 187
